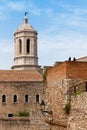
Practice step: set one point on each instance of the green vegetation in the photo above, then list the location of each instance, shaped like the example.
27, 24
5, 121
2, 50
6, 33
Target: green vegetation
77, 93
67, 107
44, 75
23, 114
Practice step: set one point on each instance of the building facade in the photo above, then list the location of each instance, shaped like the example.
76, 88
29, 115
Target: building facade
22, 88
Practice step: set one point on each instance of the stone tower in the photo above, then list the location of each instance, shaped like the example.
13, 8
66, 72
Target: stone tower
25, 47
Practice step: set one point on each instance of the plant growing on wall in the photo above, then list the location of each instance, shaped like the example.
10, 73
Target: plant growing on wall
44, 75
77, 93
23, 113
67, 107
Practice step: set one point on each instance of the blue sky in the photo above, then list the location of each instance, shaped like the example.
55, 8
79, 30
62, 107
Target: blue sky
61, 27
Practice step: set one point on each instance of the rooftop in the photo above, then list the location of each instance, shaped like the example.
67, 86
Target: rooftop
25, 26
20, 75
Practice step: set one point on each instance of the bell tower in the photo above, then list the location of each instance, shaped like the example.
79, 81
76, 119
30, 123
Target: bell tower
25, 47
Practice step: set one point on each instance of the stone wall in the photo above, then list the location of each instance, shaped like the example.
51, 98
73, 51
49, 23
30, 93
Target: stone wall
36, 120
57, 92
55, 127
19, 123
20, 89
77, 85
14, 124
57, 98
64, 81
78, 116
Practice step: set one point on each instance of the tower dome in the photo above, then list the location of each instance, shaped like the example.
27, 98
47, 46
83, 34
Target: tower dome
25, 26
25, 47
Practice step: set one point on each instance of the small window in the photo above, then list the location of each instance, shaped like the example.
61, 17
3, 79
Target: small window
20, 46
37, 98
10, 115
28, 45
26, 98
15, 98
3, 98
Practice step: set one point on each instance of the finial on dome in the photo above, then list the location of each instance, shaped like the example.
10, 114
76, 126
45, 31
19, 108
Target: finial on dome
26, 13
25, 18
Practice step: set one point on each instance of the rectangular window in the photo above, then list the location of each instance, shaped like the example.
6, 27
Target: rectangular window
26, 98
15, 99
10, 115
3, 98
37, 98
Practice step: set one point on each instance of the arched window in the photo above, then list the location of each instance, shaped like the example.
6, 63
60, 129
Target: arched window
3, 98
15, 98
20, 46
28, 46
26, 98
37, 98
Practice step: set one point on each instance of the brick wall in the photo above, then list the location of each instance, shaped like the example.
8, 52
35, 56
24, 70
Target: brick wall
68, 69
76, 70
56, 72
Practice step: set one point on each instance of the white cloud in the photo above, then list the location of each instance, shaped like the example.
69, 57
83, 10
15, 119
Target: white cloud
48, 11
16, 5
60, 47
33, 9
6, 8
65, 36
6, 54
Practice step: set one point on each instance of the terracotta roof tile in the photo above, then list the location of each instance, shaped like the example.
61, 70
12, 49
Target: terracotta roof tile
20, 75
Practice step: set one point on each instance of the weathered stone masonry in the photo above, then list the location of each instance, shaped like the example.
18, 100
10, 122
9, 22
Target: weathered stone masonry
20, 89
68, 81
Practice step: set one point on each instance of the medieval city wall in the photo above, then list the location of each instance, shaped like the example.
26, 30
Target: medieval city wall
78, 116
69, 70
64, 81
57, 91
14, 124
57, 99
76, 70
23, 124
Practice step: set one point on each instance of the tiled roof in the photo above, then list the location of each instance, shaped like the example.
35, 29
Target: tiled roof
20, 75
26, 27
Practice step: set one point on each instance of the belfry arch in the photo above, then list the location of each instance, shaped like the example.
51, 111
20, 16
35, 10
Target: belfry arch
20, 46
28, 45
